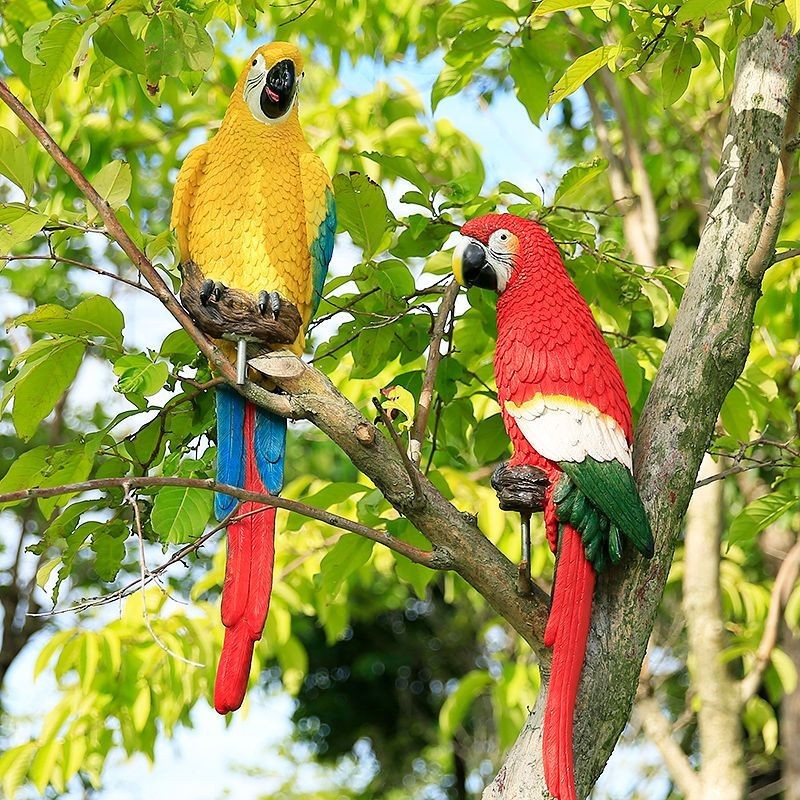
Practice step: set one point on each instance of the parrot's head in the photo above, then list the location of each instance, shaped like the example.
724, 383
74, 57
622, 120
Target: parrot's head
270, 81
489, 253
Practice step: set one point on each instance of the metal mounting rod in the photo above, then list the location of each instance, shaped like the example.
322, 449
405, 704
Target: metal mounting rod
241, 360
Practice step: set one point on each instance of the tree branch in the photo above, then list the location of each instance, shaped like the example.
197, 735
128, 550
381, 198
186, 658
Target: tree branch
434, 559
657, 728
83, 265
781, 589
434, 357
721, 748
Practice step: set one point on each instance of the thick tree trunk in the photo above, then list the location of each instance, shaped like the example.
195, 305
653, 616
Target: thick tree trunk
705, 354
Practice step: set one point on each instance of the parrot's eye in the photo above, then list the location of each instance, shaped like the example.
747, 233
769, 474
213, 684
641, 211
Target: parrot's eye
255, 61
503, 237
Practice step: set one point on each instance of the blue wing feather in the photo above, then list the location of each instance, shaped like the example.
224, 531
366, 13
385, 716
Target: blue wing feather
322, 249
230, 447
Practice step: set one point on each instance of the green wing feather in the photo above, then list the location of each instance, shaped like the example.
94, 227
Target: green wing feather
599, 499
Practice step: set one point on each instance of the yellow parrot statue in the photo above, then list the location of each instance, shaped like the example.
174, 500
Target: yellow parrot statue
254, 209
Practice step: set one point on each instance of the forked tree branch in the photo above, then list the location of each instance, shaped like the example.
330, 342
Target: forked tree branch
310, 395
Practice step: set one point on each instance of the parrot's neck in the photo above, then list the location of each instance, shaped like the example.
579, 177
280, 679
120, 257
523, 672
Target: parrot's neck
239, 123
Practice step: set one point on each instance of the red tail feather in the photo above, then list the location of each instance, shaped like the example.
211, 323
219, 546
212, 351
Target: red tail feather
248, 583
567, 631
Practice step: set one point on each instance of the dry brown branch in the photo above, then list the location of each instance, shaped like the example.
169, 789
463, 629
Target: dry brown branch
781, 589
420, 424
658, 729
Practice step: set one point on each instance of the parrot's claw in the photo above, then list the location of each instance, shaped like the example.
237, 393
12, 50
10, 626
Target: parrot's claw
269, 301
211, 289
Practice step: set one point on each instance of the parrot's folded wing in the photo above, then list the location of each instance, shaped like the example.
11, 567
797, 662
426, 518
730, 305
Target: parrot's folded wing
185, 190
320, 222
609, 486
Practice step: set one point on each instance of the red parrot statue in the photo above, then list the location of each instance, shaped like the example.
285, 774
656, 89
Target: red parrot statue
566, 412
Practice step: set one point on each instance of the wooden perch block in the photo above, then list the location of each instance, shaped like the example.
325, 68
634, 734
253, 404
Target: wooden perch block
278, 365
520, 488
236, 313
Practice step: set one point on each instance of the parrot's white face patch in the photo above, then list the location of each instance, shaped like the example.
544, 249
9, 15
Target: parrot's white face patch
500, 254
255, 86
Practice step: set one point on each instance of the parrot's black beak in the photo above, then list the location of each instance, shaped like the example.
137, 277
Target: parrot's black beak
471, 267
279, 89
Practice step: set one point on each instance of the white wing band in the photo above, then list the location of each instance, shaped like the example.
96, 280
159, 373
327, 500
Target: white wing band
562, 429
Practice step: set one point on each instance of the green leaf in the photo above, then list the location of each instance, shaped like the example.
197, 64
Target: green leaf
402, 167
530, 82
785, 668
39, 386
162, 47
450, 81
113, 183
760, 514
580, 71
349, 554
108, 545
793, 7
198, 49
395, 278
18, 224
180, 514
735, 414
331, 495
362, 211
139, 375
632, 372
677, 70
95, 316
579, 176
116, 42
551, 6
14, 162
473, 15
57, 50
455, 708
490, 440
44, 763
24, 471
14, 766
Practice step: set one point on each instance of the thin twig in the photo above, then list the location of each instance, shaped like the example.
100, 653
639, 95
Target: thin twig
82, 265
786, 254
781, 589
420, 424
297, 16
130, 498
411, 469
433, 559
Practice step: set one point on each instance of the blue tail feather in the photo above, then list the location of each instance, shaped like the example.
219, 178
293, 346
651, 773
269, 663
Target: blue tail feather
230, 447
270, 448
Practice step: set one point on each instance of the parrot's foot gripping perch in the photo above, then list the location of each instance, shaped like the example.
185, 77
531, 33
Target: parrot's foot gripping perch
521, 488
225, 312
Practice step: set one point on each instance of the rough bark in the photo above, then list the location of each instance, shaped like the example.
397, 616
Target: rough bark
705, 354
